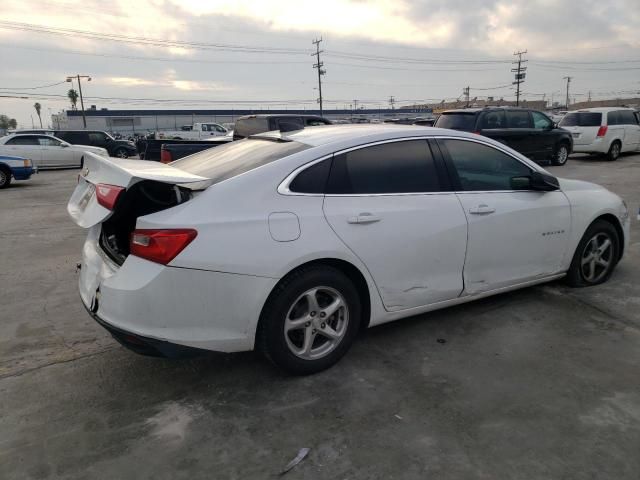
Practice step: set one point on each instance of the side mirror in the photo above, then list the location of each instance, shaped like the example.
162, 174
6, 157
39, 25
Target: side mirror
64, 145
520, 183
544, 182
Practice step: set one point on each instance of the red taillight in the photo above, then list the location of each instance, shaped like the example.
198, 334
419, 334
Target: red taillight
108, 194
602, 131
160, 246
165, 156
477, 132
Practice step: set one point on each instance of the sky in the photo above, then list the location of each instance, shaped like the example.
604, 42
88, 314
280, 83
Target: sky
255, 54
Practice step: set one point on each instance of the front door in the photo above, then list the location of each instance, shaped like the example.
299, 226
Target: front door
386, 203
515, 234
53, 154
543, 136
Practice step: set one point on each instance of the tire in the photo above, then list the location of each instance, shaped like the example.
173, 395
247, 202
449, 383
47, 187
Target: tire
298, 337
614, 151
580, 271
561, 155
5, 177
121, 153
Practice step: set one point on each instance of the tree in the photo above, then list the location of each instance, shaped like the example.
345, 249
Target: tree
6, 122
38, 107
13, 123
73, 96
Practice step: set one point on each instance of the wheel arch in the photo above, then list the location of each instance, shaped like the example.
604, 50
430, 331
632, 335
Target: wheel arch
347, 268
613, 220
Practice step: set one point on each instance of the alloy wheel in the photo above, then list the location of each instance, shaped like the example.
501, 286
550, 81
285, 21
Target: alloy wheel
316, 323
121, 154
562, 155
615, 150
3, 177
597, 257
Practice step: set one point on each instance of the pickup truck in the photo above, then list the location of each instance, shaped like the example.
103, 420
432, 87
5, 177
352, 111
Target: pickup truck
197, 131
179, 148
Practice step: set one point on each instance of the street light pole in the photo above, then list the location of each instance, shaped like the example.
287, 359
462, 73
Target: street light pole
78, 77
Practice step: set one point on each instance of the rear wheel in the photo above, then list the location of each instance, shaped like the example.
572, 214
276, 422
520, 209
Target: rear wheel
310, 320
562, 155
614, 151
5, 177
596, 255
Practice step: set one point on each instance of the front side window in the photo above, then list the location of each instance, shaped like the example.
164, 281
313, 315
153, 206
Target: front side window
518, 119
23, 140
397, 167
540, 121
484, 168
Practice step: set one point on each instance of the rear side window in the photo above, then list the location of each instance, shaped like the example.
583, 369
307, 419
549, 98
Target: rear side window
78, 138
613, 118
236, 158
492, 120
397, 167
313, 122
25, 140
313, 179
457, 121
289, 124
627, 117
519, 119
483, 168
581, 119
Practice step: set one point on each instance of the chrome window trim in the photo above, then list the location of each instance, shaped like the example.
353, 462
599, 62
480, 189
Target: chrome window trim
283, 188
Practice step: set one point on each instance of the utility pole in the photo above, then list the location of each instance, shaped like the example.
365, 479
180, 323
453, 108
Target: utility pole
392, 102
568, 79
318, 65
355, 105
465, 92
78, 77
520, 74
589, 99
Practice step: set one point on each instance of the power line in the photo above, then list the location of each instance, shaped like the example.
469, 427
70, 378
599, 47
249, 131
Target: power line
33, 88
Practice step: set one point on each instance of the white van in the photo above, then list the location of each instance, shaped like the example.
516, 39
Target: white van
608, 130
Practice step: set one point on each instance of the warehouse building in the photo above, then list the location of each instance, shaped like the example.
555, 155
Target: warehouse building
145, 121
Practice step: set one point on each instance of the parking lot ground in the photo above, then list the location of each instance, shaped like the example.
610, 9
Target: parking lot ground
542, 383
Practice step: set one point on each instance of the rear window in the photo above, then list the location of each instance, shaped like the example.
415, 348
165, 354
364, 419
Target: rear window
457, 121
236, 158
250, 126
581, 119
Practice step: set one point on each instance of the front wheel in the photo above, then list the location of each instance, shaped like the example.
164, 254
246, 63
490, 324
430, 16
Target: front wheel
310, 320
121, 153
596, 256
561, 156
5, 178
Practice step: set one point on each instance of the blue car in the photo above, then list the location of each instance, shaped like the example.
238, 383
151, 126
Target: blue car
15, 167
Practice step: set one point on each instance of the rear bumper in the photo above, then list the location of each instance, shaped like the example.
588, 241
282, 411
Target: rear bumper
169, 307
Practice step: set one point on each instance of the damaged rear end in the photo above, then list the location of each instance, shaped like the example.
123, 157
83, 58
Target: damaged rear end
108, 201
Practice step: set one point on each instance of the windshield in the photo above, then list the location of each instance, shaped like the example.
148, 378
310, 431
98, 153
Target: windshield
581, 119
457, 121
235, 158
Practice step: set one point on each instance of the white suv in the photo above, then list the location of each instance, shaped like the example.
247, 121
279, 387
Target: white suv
611, 130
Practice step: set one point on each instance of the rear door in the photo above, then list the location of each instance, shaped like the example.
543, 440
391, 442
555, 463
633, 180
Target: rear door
26, 146
521, 132
631, 130
515, 234
390, 204
615, 129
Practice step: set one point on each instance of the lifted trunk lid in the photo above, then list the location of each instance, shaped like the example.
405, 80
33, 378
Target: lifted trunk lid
83, 206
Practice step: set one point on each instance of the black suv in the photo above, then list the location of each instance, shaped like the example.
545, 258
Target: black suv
97, 138
529, 132
254, 124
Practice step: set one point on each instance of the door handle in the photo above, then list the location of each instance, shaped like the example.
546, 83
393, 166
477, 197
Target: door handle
482, 209
363, 219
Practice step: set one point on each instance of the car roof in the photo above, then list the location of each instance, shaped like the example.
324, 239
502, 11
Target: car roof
269, 115
602, 109
359, 133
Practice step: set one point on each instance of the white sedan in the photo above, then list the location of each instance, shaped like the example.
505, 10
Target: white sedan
47, 151
291, 243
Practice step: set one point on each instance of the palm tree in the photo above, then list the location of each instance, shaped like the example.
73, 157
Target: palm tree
38, 107
73, 96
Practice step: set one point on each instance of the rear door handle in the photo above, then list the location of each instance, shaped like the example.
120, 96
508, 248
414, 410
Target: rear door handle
363, 219
482, 209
